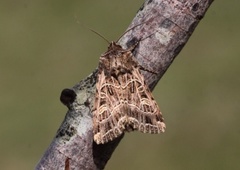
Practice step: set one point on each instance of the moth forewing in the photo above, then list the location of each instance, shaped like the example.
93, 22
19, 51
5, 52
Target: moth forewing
123, 101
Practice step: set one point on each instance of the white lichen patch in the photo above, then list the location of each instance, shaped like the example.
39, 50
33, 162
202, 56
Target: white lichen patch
82, 96
84, 125
163, 35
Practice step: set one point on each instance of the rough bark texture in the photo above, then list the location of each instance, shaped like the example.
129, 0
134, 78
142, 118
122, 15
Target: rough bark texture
166, 27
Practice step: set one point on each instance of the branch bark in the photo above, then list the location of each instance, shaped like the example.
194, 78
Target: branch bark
166, 27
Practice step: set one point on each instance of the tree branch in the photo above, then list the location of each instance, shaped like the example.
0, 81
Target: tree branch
166, 27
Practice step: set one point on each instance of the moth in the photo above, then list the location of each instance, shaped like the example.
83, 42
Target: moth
123, 101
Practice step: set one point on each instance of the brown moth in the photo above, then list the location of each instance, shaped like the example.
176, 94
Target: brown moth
123, 101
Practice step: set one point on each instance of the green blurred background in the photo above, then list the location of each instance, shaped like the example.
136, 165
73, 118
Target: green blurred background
43, 49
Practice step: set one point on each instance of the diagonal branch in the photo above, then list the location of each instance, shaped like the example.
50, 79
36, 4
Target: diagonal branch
166, 27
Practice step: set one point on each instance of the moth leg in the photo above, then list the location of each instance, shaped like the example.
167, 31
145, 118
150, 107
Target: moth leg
145, 69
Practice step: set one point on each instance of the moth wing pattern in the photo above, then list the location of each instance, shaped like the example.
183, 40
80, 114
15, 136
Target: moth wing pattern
123, 101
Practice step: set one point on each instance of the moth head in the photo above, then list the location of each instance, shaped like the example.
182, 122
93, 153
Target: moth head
114, 46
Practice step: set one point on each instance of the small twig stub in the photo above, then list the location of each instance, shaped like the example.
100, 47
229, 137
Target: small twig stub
123, 101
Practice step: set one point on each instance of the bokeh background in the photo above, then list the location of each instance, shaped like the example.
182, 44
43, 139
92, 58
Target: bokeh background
44, 49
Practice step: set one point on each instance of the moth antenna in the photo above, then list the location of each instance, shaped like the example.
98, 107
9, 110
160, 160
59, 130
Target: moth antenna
99, 35
85, 26
130, 30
